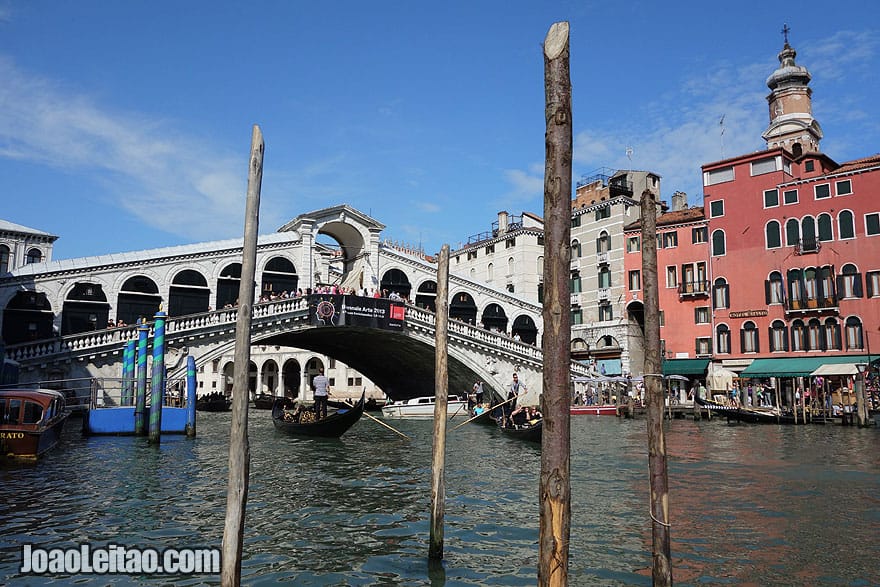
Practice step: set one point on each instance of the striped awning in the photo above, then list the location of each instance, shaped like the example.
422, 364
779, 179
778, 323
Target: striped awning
797, 366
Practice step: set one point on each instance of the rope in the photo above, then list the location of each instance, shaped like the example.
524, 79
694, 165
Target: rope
658, 521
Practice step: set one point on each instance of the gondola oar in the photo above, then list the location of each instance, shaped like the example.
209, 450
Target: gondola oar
488, 410
384, 424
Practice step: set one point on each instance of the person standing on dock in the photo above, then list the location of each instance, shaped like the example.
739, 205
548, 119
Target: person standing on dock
321, 386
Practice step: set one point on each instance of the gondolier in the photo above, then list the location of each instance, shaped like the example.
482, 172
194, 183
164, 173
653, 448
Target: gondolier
515, 389
321, 385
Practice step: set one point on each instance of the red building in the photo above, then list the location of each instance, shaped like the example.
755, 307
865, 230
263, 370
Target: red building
786, 266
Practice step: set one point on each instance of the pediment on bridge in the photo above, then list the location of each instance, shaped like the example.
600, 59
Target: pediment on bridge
342, 213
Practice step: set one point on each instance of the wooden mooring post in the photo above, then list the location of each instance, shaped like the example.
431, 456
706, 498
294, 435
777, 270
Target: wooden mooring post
239, 448
555, 487
441, 385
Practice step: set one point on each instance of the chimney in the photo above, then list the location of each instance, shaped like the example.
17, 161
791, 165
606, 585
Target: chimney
679, 201
502, 222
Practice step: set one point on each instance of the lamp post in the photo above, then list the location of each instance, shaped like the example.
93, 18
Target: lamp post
861, 402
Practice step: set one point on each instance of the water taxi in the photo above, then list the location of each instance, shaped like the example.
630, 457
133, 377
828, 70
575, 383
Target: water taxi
31, 421
423, 407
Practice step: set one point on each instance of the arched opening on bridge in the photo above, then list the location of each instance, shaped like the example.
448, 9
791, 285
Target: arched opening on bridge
396, 280
228, 377
462, 307
85, 309
525, 327
138, 298
269, 378
426, 297
189, 294
607, 355
292, 378
494, 318
253, 374
580, 350
27, 316
227, 286
635, 314
279, 276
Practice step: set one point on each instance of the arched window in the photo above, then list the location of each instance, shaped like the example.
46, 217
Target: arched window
604, 277
775, 289
798, 336
719, 246
832, 334
722, 339
575, 249
796, 289
540, 267
792, 232
490, 272
4, 259
773, 236
721, 293
849, 283
473, 273
854, 334
603, 243
33, 256
510, 267
749, 338
778, 336
815, 338
808, 234
825, 232
845, 225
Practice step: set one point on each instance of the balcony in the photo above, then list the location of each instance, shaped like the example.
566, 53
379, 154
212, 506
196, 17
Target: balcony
604, 294
811, 305
576, 299
603, 258
575, 262
693, 289
805, 246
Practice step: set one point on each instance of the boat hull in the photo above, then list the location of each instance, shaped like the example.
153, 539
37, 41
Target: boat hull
603, 410
21, 441
754, 416
530, 433
420, 408
333, 426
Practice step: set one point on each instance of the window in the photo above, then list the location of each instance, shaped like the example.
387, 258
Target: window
824, 223
510, 266
575, 282
4, 259
471, 255
749, 338
771, 198
808, 235
822, 191
510, 243
773, 236
575, 249
832, 334
701, 315
603, 212
792, 232
853, 334
722, 339
604, 277
872, 224
815, 335
603, 243
539, 240
633, 244
716, 208
774, 289
849, 282
577, 316
670, 239
575, 221
798, 336
718, 176
764, 166
33, 256
843, 187
845, 225
490, 272
700, 235
809, 165
790, 196
671, 276
703, 346
606, 313
810, 285
872, 281
635, 280
778, 336
490, 249
473, 273
721, 293
718, 243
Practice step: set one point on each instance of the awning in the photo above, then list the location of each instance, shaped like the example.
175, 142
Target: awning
685, 366
796, 367
838, 369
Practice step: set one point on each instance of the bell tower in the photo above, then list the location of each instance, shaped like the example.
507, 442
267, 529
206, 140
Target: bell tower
792, 125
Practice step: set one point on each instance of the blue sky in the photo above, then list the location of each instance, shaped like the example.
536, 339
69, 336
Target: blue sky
127, 125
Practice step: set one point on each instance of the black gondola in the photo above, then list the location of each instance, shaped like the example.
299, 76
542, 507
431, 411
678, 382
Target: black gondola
530, 432
756, 415
484, 417
333, 426
213, 402
264, 401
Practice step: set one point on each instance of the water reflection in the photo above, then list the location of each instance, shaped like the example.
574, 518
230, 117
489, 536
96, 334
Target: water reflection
750, 505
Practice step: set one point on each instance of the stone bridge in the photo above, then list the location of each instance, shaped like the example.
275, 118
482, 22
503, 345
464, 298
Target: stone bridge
400, 362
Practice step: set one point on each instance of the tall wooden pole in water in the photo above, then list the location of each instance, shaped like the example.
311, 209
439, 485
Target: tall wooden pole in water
659, 507
239, 449
555, 490
441, 384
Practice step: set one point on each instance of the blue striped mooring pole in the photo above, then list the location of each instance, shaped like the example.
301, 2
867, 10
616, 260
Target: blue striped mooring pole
190, 397
140, 409
128, 373
157, 384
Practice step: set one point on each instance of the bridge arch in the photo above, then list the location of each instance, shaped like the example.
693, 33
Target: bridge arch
462, 307
278, 276
426, 295
493, 317
27, 316
396, 280
524, 328
85, 308
138, 297
188, 293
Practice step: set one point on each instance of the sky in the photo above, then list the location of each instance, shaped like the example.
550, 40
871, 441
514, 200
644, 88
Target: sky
127, 125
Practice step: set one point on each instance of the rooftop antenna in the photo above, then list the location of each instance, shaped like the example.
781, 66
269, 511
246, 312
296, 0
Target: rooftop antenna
721, 124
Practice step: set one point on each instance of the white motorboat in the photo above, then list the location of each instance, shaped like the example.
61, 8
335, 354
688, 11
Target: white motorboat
423, 407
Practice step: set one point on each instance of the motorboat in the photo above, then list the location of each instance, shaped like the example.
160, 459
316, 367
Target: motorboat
594, 410
423, 407
31, 421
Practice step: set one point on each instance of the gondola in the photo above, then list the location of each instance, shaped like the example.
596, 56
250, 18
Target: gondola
264, 401
213, 402
755, 415
333, 426
484, 417
531, 432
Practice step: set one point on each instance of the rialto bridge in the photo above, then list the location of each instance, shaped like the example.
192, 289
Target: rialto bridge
70, 319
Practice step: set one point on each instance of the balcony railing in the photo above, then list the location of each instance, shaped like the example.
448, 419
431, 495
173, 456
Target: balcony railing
603, 257
806, 305
604, 294
807, 245
693, 288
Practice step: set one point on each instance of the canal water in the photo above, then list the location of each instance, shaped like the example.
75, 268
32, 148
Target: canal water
750, 504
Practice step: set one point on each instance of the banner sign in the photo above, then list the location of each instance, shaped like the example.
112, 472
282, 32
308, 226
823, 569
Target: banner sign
339, 310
